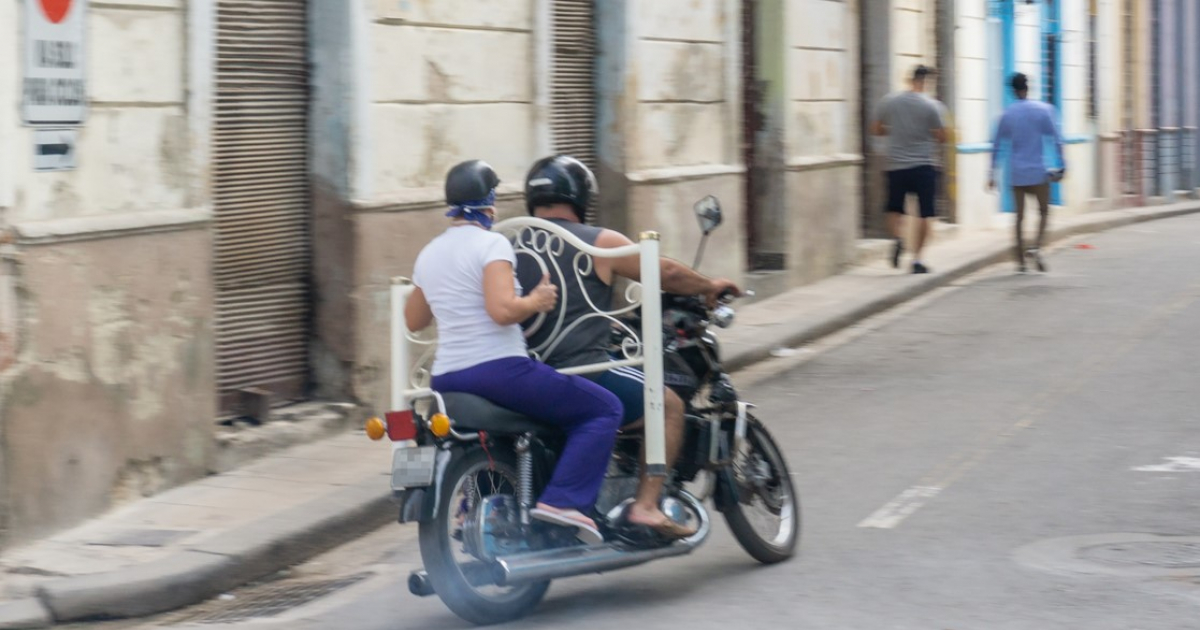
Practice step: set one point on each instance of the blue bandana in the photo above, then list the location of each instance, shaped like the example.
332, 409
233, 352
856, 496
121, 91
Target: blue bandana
475, 210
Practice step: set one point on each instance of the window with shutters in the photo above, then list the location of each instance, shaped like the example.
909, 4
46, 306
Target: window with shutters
573, 81
261, 200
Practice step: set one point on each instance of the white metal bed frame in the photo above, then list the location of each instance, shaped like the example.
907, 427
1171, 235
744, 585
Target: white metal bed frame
544, 241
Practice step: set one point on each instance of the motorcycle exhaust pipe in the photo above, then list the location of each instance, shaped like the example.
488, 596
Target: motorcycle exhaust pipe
571, 561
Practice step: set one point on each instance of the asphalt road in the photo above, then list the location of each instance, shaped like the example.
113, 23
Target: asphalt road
1017, 452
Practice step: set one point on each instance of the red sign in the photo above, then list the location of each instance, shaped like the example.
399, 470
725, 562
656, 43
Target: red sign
55, 10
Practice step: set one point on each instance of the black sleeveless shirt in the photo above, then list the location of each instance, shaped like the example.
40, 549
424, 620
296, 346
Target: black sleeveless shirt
588, 339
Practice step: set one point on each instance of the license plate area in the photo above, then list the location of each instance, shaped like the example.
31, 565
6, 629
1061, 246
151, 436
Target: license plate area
412, 467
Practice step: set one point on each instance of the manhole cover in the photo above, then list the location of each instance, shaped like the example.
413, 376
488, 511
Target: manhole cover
1168, 554
1122, 554
270, 599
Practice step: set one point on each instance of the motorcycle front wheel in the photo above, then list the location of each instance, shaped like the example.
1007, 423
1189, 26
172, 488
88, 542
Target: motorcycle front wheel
462, 581
766, 519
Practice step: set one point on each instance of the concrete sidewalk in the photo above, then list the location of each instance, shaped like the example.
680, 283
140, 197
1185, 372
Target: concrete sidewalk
197, 541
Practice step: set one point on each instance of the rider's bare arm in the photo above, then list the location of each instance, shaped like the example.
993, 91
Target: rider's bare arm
417, 314
676, 277
500, 297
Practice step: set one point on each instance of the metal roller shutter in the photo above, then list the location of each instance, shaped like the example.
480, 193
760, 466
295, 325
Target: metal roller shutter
573, 81
260, 180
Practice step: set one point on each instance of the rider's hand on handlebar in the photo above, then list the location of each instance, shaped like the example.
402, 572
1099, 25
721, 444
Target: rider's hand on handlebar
722, 288
545, 295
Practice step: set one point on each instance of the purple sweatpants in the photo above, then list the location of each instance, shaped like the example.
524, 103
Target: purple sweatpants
588, 413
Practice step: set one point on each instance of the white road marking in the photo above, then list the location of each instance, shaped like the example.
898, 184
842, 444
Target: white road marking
901, 507
1173, 464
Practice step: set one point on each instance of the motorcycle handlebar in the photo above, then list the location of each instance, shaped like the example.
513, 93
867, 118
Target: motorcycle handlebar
727, 296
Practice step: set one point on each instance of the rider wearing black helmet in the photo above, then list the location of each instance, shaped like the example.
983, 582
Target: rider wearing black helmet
471, 189
560, 179
559, 189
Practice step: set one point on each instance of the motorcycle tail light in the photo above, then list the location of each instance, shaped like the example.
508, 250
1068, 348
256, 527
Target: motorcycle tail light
401, 425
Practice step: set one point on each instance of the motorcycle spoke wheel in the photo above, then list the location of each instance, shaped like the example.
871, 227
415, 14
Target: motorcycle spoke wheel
766, 519
463, 581
477, 483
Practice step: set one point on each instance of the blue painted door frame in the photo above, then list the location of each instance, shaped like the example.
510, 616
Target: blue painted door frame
1052, 70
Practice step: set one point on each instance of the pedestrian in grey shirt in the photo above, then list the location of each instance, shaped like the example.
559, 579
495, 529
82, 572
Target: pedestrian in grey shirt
915, 128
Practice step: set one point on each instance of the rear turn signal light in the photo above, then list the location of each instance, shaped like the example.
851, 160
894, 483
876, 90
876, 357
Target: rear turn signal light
400, 426
375, 428
439, 424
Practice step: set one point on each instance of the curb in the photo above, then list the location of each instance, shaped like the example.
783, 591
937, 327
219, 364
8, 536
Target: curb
802, 333
280, 540
198, 573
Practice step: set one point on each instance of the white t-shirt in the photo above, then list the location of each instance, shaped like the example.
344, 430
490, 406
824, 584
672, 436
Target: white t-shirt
450, 273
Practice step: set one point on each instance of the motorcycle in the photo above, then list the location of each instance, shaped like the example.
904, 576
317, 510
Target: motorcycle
470, 482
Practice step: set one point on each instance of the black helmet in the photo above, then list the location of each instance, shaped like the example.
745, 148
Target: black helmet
470, 181
560, 179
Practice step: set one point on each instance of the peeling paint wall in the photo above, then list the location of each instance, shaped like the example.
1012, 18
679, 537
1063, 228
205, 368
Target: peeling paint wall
670, 123
332, 122
106, 358
683, 103
822, 140
449, 80
9, 70
112, 395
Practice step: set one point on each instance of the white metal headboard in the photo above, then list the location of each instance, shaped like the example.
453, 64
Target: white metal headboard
543, 241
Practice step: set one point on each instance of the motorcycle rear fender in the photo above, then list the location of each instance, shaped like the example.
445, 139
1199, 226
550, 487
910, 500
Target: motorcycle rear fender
412, 504
419, 505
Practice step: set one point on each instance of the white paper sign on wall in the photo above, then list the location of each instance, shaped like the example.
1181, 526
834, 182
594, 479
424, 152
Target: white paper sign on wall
55, 86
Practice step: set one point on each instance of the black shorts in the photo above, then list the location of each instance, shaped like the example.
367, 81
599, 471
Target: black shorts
920, 181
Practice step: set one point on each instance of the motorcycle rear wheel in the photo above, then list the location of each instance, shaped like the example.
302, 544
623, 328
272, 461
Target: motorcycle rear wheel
765, 493
459, 579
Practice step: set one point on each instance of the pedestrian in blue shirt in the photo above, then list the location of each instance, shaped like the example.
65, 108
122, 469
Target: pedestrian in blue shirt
1025, 127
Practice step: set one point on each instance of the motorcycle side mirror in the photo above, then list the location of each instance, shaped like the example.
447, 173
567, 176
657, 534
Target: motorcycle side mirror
708, 212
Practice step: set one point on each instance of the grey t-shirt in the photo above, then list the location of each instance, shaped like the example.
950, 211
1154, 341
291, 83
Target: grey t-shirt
911, 118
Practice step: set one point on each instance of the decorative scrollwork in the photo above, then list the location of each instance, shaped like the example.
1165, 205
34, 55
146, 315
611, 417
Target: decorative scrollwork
421, 372
544, 244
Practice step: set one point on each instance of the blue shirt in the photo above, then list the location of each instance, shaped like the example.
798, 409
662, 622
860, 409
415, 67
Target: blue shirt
1027, 126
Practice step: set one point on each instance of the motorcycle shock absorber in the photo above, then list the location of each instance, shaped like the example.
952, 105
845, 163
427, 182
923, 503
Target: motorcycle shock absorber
524, 478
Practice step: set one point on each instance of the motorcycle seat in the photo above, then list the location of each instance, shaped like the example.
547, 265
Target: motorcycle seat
475, 413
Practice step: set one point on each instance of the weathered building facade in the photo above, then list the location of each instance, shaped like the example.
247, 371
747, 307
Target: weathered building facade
251, 173
106, 379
